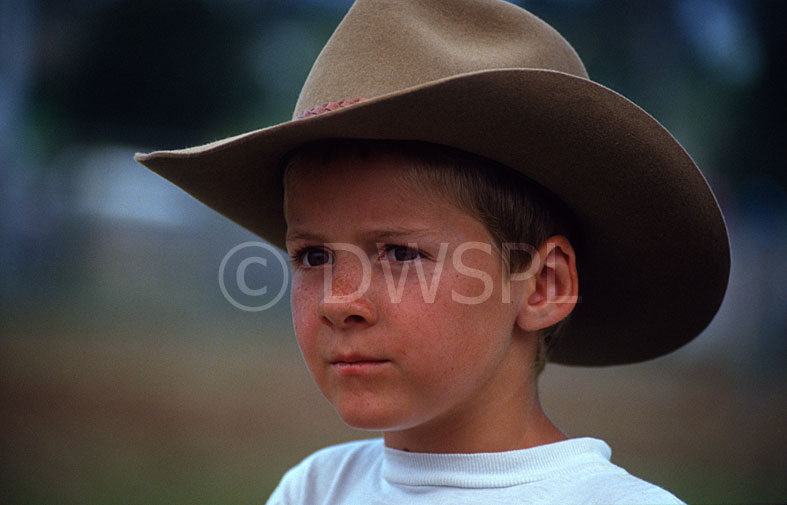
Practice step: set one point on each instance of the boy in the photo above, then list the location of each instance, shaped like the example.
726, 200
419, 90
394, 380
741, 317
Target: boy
451, 178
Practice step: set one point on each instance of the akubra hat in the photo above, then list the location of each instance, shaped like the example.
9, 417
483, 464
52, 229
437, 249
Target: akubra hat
491, 79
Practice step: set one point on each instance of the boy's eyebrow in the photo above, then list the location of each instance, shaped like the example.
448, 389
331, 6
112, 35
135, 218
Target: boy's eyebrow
399, 232
303, 235
378, 234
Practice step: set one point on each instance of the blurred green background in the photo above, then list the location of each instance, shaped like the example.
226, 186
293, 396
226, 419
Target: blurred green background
127, 377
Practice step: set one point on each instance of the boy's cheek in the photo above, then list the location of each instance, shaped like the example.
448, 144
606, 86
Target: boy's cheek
305, 292
304, 302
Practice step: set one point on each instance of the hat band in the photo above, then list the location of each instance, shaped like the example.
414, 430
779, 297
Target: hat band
327, 107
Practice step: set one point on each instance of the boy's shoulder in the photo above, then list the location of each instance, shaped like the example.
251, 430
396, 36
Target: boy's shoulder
580, 470
609, 483
328, 469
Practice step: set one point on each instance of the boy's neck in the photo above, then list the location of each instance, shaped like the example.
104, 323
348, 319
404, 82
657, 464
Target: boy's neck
506, 425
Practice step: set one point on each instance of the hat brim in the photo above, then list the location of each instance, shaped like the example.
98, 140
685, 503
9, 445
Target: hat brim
654, 261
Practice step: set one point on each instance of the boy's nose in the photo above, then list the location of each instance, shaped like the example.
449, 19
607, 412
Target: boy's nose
345, 302
344, 313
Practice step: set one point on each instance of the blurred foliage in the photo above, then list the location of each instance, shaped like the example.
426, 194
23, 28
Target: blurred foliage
170, 73
136, 70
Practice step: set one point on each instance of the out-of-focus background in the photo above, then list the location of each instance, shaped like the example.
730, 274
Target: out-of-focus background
126, 376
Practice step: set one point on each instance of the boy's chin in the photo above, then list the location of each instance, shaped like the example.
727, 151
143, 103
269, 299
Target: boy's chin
368, 420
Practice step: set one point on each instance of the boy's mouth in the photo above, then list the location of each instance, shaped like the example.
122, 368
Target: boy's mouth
356, 365
354, 357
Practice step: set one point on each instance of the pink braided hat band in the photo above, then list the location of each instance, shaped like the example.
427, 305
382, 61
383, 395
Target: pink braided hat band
327, 107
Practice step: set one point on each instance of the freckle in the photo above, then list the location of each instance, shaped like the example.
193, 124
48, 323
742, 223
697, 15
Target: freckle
341, 286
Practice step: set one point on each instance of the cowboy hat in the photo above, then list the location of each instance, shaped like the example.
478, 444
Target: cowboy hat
489, 78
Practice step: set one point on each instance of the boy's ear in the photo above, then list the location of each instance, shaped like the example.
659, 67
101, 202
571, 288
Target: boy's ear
552, 290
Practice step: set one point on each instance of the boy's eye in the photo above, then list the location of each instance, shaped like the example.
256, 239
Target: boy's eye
315, 257
401, 253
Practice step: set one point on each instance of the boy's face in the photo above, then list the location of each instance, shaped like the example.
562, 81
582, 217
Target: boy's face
404, 361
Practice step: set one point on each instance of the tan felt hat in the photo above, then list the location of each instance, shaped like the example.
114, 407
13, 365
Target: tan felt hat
490, 78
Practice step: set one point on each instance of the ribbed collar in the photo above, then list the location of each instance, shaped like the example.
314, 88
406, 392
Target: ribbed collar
491, 469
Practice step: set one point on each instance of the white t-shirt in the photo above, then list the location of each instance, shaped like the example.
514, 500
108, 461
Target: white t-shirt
576, 471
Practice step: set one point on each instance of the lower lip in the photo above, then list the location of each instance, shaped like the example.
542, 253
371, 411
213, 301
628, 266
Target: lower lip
357, 367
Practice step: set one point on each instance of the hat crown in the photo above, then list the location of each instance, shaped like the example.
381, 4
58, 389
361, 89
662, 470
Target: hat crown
384, 46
